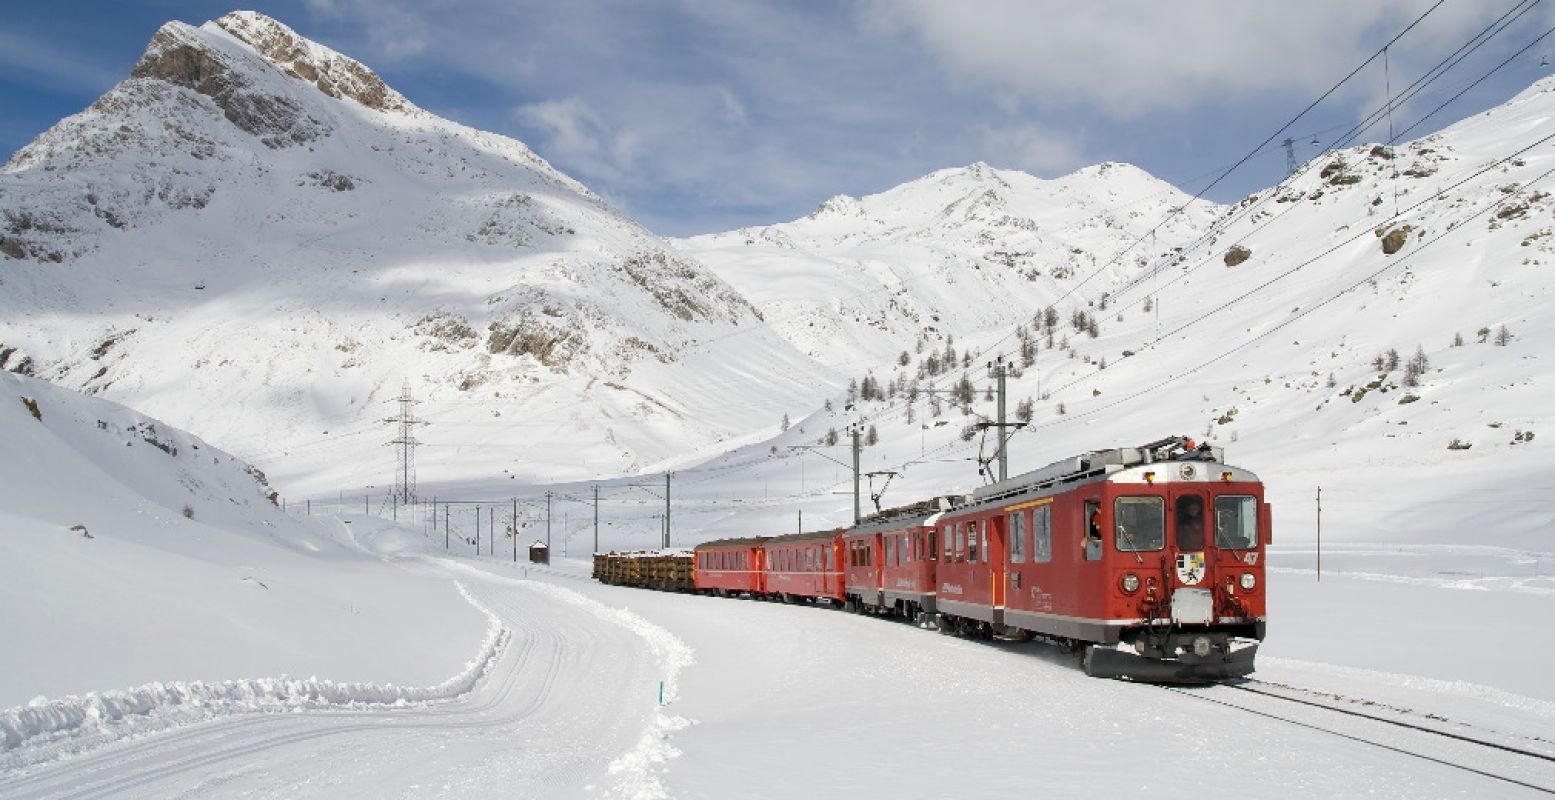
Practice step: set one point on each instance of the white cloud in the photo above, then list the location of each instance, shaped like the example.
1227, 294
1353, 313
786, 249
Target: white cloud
1133, 58
574, 133
1031, 148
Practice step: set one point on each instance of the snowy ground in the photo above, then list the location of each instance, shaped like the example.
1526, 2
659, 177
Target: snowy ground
765, 700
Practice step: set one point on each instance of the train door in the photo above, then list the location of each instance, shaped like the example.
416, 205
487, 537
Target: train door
998, 556
1191, 600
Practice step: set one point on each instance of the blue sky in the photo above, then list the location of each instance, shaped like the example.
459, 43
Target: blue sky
705, 115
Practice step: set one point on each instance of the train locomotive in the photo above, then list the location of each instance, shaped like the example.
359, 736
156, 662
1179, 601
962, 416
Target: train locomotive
1148, 561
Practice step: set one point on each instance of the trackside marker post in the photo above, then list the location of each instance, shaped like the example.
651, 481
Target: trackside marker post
661, 693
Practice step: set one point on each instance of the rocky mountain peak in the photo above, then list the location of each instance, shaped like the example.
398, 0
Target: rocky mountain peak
227, 61
333, 74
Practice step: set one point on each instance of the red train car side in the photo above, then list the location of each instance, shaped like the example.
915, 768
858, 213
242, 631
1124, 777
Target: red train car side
891, 560
730, 567
804, 566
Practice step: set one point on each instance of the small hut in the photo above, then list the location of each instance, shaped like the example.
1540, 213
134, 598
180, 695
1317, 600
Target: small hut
539, 553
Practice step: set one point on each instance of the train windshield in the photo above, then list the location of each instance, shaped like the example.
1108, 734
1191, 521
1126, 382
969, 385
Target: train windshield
1139, 523
1236, 522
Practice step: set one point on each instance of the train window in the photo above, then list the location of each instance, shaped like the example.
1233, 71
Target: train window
1042, 535
909, 540
1018, 537
933, 544
831, 559
1236, 522
890, 550
1139, 523
950, 543
1090, 541
971, 542
1190, 522
960, 544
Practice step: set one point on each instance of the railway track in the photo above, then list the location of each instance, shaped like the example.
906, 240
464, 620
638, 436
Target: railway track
1422, 738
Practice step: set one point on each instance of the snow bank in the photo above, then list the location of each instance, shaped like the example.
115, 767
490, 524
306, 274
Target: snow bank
46, 729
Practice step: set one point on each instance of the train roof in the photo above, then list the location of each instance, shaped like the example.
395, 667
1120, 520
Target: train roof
743, 541
807, 536
919, 514
1180, 450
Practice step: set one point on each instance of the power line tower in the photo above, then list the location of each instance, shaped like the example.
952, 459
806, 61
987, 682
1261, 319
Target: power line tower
405, 467
1290, 155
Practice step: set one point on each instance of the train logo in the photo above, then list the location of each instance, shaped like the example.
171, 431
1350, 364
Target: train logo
1190, 568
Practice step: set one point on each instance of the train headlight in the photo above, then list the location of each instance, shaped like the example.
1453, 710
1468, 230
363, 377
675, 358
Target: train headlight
1249, 580
1202, 646
1131, 583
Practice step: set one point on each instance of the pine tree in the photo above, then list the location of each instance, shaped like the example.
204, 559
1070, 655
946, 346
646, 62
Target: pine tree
785, 422
871, 437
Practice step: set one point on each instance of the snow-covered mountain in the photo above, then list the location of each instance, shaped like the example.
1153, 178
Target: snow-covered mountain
955, 253
255, 238
1284, 328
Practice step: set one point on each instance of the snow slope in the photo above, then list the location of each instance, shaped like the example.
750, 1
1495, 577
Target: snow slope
255, 217
140, 556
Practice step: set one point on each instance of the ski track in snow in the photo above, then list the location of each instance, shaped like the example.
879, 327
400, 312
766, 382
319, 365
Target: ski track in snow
638, 771
45, 730
555, 706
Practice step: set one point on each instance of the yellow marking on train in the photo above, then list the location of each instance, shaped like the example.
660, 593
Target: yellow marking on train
1033, 504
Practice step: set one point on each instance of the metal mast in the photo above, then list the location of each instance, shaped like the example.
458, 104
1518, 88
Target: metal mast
406, 443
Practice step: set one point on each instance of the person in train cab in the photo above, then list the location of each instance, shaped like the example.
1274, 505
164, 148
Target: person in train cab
1190, 523
1090, 544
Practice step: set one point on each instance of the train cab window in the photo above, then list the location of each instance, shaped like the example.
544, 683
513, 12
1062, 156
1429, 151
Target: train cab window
960, 544
1018, 537
1236, 522
1190, 522
1042, 535
933, 544
971, 542
890, 551
1139, 523
831, 559
1090, 540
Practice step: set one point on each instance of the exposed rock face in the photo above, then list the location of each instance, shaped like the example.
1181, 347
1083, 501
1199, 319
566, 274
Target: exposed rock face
334, 74
176, 57
1237, 254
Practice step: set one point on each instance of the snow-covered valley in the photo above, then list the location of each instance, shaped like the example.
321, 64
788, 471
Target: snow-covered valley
217, 279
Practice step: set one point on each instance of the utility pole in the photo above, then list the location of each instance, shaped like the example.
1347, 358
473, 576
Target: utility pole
513, 527
491, 531
596, 518
999, 371
667, 510
477, 530
1319, 534
853, 430
405, 468
547, 524
445, 526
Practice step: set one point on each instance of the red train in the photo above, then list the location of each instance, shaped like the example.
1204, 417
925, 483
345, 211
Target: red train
1148, 559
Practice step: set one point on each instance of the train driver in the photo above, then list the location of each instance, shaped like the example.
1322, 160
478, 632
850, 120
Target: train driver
1090, 544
